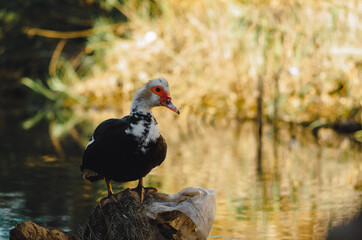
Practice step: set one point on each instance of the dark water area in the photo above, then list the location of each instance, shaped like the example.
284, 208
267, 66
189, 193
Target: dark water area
35, 184
294, 187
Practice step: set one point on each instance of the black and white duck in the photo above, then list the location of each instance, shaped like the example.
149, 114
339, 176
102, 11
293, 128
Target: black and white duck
127, 149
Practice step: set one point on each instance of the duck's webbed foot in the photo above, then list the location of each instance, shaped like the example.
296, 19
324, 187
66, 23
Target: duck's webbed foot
142, 192
111, 197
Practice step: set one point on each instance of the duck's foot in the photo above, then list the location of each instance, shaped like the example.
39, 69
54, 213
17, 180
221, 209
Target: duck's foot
142, 193
108, 199
139, 192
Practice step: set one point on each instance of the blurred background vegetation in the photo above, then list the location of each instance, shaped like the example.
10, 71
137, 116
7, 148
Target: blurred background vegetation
67, 65
77, 62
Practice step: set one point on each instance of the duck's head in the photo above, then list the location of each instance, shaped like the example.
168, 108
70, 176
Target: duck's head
153, 94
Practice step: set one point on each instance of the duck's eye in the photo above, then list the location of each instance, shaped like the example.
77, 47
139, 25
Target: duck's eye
158, 90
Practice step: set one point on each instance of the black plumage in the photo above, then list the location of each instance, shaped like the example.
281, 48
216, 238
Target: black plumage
116, 155
129, 148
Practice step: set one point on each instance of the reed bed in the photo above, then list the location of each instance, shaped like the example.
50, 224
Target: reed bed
308, 55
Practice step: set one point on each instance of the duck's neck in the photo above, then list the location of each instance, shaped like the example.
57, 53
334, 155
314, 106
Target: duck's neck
140, 105
141, 110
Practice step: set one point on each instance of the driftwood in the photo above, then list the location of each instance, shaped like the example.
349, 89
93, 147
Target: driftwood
188, 214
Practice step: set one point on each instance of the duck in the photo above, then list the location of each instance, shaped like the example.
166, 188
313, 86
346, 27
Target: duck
127, 149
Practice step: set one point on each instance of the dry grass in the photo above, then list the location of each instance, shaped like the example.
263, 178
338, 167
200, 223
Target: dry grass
308, 53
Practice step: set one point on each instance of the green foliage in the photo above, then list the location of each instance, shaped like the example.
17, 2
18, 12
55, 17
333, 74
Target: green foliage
60, 101
358, 136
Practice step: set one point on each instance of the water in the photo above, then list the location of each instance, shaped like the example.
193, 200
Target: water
303, 185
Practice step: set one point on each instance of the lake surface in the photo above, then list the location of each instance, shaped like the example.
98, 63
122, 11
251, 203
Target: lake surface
300, 188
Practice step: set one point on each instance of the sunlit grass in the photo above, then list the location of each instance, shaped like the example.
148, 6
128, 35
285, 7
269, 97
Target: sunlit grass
308, 54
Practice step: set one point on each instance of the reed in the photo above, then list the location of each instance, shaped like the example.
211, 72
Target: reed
308, 54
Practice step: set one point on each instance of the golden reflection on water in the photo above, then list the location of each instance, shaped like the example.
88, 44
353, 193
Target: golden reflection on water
306, 186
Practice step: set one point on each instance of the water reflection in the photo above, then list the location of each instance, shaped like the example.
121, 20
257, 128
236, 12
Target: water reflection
305, 187
35, 185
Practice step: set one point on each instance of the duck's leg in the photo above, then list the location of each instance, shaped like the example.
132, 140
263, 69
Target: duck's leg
110, 197
109, 187
141, 191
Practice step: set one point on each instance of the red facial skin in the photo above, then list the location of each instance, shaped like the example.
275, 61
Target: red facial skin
165, 98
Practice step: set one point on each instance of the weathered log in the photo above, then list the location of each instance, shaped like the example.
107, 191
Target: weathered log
188, 214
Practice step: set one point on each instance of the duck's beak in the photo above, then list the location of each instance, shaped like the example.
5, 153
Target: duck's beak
165, 100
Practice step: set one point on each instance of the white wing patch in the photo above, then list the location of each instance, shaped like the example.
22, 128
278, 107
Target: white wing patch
154, 132
90, 141
138, 130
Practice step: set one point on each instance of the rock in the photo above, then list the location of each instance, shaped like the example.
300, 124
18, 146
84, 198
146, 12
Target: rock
31, 230
348, 231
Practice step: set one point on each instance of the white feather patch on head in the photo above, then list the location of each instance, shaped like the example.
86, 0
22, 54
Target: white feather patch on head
144, 100
160, 82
